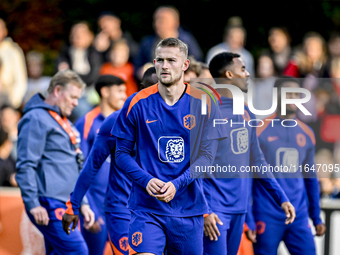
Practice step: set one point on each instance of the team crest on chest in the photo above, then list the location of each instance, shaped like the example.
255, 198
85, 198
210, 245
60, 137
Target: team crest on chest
301, 139
239, 140
189, 121
171, 149
288, 157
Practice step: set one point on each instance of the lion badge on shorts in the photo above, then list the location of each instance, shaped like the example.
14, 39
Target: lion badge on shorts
137, 238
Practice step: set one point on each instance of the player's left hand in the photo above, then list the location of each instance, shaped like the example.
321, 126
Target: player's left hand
210, 228
289, 211
320, 229
251, 235
154, 187
67, 220
168, 192
88, 215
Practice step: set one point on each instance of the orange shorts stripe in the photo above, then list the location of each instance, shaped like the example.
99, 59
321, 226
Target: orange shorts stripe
114, 249
132, 252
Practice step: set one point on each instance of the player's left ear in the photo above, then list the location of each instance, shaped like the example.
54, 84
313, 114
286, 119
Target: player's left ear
105, 92
186, 64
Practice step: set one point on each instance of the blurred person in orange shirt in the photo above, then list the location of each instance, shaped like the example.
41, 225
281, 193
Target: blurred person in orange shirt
120, 66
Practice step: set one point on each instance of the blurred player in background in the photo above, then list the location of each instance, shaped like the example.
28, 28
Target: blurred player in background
227, 193
149, 77
119, 185
112, 92
293, 147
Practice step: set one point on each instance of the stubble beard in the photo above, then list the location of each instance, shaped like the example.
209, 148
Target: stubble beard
171, 81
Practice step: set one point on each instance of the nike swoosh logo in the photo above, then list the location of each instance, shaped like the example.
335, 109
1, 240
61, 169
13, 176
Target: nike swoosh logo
150, 121
272, 138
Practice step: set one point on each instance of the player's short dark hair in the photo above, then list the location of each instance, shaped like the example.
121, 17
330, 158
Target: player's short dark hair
220, 62
107, 81
283, 79
174, 42
149, 77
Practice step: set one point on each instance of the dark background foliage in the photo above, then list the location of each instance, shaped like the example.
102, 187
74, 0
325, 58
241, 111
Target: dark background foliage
44, 25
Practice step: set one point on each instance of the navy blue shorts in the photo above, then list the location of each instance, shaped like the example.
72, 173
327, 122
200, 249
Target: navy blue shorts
118, 227
56, 240
95, 241
297, 237
165, 234
229, 240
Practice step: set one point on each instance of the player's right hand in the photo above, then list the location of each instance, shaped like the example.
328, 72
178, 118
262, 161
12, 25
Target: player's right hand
40, 215
154, 187
210, 227
67, 220
97, 226
320, 229
251, 235
289, 210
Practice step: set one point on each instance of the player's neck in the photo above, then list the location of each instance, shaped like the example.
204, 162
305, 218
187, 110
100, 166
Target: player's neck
225, 92
171, 94
106, 109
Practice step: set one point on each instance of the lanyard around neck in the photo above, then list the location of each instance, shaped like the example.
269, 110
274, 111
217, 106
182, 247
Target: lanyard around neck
63, 122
